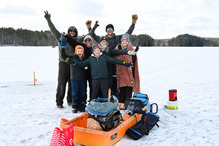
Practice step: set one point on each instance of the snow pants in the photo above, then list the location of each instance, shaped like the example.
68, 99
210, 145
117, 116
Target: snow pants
63, 79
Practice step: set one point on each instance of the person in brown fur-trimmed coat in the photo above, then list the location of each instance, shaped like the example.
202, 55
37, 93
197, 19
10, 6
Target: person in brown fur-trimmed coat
127, 77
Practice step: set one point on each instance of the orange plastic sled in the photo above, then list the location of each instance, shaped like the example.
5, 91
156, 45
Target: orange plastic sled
90, 137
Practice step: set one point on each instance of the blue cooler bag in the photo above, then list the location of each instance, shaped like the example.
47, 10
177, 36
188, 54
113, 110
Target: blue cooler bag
143, 97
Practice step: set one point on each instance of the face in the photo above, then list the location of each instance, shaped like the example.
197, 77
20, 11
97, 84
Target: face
125, 43
97, 52
110, 31
103, 43
72, 33
88, 42
79, 52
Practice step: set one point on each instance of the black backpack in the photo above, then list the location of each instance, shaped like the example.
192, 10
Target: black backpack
147, 122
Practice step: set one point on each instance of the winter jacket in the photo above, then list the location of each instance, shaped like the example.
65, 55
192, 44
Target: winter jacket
69, 49
128, 76
77, 73
99, 65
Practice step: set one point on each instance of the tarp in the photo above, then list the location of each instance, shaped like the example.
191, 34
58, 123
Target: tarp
101, 106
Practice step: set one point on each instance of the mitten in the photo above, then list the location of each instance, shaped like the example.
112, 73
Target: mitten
136, 49
70, 60
63, 41
131, 53
47, 15
134, 18
88, 23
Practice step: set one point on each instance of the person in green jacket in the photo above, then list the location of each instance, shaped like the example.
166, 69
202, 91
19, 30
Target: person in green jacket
98, 63
64, 68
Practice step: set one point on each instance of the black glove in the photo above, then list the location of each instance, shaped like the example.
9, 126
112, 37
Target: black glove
136, 49
47, 15
96, 25
127, 64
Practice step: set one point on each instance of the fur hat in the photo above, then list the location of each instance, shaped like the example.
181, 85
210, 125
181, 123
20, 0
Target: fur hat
126, 37
109, 26
72, 28
95, 47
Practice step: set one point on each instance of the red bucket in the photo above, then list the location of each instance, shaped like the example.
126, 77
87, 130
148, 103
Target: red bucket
172, 95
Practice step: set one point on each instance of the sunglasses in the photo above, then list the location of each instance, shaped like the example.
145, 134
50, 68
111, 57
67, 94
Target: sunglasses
109, 29
87, 40
72, 31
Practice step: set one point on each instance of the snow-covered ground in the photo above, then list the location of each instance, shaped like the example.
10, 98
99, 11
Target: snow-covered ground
29, 114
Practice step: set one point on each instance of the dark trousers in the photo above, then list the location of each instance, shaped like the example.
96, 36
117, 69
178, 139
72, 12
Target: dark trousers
100, 86
79, 94
115, 90
63, 79
125, 93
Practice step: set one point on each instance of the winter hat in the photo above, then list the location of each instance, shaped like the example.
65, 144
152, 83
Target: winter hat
126, 37
72, 28
88, 37
95, 47
103, 38
109, 26
79, 47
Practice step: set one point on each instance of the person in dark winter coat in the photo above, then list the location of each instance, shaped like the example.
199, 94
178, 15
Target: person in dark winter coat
99, 70
128, 78
113, 41
78, 81
64, 68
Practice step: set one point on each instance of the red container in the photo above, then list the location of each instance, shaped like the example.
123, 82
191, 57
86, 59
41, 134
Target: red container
172, 95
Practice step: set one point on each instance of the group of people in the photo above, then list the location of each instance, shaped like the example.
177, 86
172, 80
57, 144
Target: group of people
93, 59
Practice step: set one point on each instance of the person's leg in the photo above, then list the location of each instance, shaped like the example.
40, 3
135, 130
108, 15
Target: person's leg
63, 77
128, 92
115, 90
122, 96
75, 95
82, 103
95, 89
104, 86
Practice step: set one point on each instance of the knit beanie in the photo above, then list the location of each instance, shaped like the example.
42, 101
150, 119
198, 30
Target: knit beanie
126, 37
103, 38
109, 26
95, 47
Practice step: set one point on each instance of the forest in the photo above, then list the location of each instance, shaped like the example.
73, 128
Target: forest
23, 37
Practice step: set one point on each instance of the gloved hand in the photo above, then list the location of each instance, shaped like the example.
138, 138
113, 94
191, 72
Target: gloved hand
47, 15
96, 25
70, 61
88, 23
63, 41
127, 64
136, 49
131, 53
134, 18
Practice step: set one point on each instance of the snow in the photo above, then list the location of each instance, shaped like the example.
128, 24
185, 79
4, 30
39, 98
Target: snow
29, 114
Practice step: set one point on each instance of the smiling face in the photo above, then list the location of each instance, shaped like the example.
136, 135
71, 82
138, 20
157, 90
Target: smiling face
88, 42
79, 52
110, 31
103, 43
96, 52
125, 43
72, 33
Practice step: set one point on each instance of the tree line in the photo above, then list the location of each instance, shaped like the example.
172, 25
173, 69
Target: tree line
24, 37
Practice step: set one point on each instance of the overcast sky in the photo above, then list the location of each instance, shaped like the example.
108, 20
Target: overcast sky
158, 18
